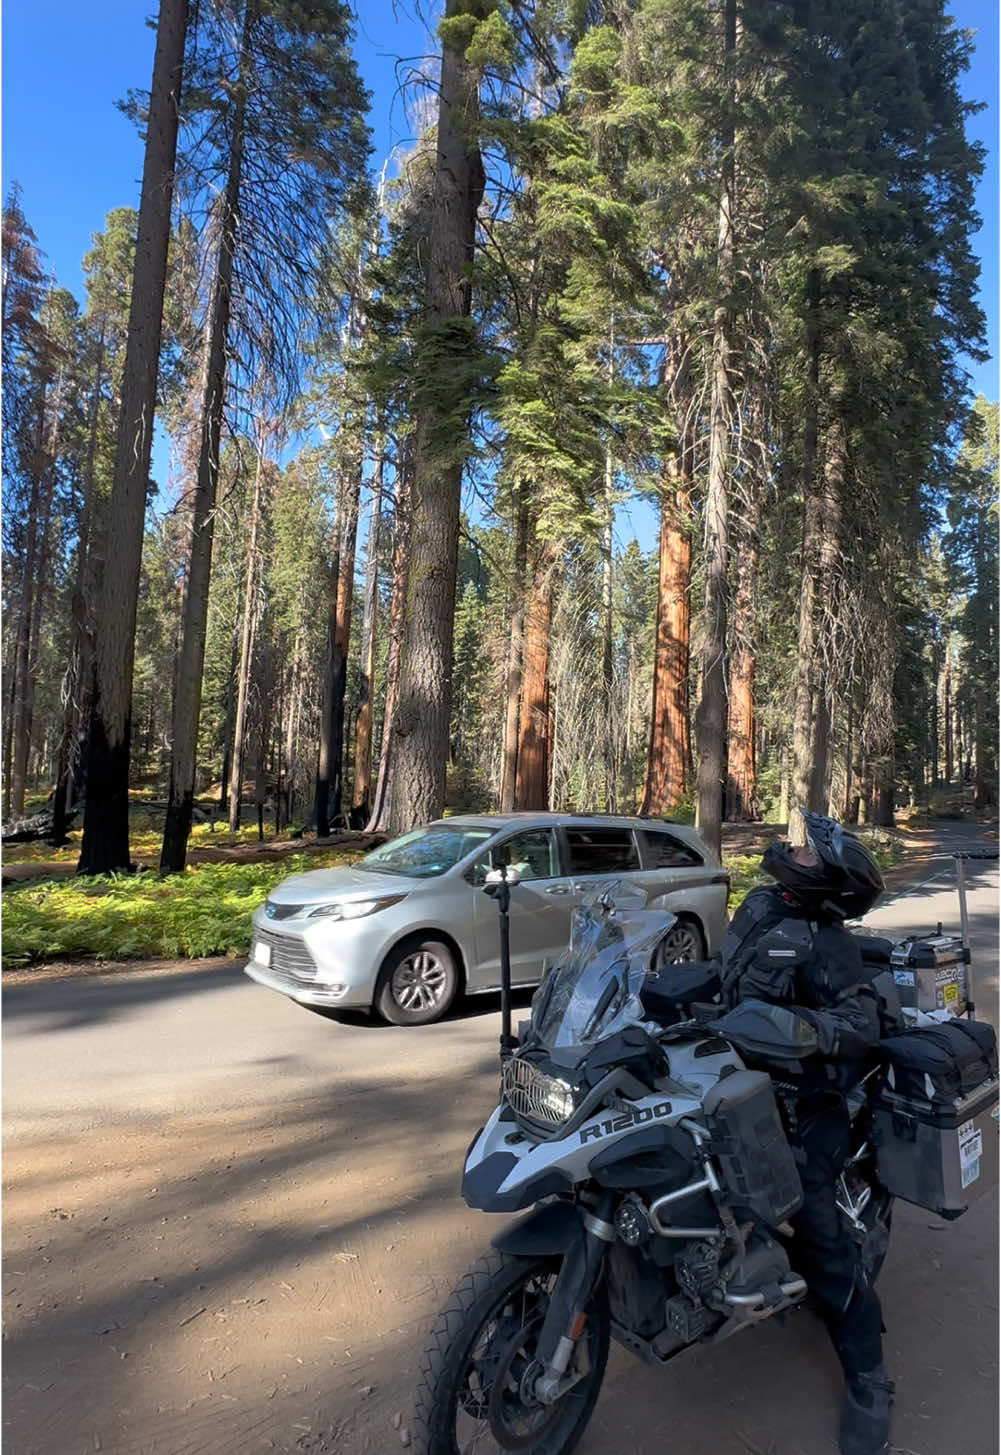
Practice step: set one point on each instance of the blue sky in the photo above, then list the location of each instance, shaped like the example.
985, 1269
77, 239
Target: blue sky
76, 156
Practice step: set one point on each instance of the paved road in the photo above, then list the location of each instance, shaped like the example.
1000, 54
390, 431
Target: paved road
229, 1222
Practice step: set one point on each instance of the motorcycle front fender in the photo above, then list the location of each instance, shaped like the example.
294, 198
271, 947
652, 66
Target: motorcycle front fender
551, 1227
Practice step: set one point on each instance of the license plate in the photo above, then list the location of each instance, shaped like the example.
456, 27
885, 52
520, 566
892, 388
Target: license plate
262, 953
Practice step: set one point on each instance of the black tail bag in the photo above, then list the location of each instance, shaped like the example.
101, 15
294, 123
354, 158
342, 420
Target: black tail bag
942, 1062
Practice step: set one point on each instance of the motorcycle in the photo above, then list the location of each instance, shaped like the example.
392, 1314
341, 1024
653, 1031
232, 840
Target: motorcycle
640, 1125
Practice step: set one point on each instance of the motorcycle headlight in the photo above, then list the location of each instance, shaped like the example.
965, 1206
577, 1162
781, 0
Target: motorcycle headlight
531, 1093
354, 908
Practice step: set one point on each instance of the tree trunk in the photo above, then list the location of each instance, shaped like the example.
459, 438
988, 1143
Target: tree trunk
363, 718
883, 811
227, 727
342, 637
421, 720
935, 745
37, 604
532, 780
741, 790
828, 556
981, 787
78, 664
23, 686
188, 699
401, 556
805, 684
246, 651
668, 768
515, 650
710, 722
325, 762
292, 726
106, 820
610, 726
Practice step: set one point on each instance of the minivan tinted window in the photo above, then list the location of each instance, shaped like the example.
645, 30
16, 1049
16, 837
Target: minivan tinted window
602, 851
663, 851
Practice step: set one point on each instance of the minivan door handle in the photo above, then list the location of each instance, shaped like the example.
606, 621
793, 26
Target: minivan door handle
558, 889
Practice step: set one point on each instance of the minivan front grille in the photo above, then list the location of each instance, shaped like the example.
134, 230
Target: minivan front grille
291, 960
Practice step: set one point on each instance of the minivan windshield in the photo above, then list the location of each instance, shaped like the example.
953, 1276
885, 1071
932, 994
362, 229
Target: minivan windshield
425, 853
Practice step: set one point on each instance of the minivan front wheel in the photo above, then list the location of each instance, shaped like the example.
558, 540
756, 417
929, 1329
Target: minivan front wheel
682, 944
418, 982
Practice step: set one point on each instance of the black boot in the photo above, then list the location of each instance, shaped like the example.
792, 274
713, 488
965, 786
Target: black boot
865, 1424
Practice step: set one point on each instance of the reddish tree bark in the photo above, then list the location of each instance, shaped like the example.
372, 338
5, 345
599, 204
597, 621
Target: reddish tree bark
741, 787
741, 783
532, 778
668, 770
514, 663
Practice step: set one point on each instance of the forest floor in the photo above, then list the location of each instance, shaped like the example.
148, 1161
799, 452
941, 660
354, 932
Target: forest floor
228, 1225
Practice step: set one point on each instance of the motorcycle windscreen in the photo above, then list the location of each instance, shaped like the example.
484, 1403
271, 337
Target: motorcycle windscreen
593, 992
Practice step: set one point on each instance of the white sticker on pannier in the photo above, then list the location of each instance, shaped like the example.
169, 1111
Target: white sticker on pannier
903, 977
971, 1146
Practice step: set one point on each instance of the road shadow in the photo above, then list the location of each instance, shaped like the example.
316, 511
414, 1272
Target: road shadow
72, 1003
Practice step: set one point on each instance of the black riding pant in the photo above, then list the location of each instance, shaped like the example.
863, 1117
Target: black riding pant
826, 1255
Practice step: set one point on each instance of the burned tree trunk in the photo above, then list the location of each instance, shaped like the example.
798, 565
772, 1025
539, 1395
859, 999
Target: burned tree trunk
188, 694
106, 821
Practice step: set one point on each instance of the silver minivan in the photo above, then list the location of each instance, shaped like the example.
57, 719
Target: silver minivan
408, 927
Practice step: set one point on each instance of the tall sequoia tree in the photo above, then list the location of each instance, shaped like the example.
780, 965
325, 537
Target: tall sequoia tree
446, 375
105, 845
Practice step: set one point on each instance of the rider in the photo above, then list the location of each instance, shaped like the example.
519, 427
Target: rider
787, 944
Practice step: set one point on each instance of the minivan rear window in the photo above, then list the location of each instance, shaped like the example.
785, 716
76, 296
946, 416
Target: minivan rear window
664, 851
602, 851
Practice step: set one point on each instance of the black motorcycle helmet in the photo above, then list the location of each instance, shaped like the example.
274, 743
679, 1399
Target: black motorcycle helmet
843, 884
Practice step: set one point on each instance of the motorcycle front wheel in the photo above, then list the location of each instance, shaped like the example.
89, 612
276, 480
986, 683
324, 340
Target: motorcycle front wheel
478, 1370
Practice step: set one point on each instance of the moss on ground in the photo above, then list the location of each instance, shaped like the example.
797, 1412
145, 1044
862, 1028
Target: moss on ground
204, 911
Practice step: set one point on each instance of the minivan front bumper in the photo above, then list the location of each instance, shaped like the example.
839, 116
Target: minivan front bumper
309, 992
323, 966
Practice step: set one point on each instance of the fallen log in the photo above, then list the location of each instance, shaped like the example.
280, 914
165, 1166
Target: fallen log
35, 826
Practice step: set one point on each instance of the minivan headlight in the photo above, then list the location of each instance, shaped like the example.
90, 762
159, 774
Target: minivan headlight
354, 908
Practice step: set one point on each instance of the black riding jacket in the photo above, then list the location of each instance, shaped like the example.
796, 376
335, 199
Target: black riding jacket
774, 952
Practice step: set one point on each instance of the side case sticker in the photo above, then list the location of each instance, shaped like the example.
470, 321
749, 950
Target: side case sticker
971, 1145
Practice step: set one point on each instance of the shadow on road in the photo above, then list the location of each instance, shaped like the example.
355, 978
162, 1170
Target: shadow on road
66, 1005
